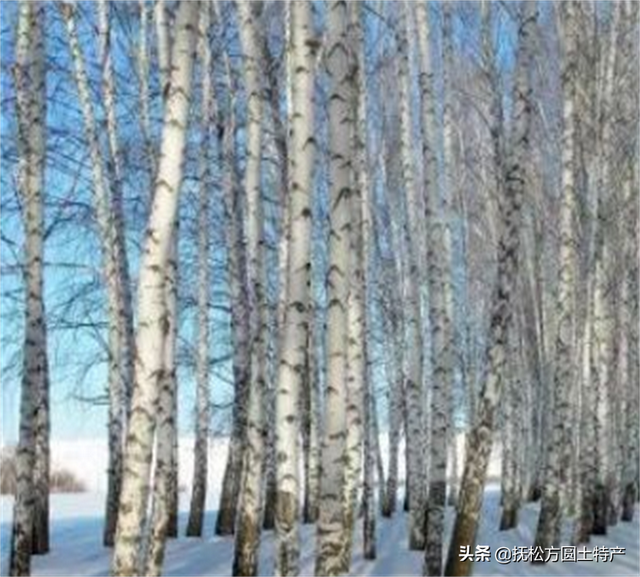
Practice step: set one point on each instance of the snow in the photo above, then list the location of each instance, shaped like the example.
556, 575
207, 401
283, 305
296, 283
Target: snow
76, 547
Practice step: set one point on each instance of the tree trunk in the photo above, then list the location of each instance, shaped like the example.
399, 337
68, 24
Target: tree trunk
112, 242
250, 493
480, 435
295, 338
549, 523
438, 263
152, 331
201, 451
30, 90
310, 427
237, 275
414, 382
331, 530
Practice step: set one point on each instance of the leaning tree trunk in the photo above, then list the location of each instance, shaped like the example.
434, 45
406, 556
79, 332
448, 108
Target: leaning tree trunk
480, 436
295, 337
111, 240
248, 528
114, 171
330, 530
30, 89
200, 452
150, 343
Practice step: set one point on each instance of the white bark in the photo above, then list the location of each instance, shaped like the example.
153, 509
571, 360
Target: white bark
330, 531
295, 337
30, 89
438, 273
548, 531
208, 120
112, 243
414, 382
515, 181
250, 506
151, 335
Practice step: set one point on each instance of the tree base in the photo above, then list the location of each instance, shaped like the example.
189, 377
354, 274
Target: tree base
628, 502
509, 518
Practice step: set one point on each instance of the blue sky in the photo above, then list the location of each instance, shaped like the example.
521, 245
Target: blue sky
74, 293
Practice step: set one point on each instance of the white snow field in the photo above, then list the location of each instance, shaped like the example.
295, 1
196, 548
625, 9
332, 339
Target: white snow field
76, 547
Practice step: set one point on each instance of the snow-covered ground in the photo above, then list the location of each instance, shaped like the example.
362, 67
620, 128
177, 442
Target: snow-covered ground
76, 547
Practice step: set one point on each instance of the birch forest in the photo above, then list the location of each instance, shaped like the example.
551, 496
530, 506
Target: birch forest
325, 287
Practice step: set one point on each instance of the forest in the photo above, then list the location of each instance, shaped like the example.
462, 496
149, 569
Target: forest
373, 266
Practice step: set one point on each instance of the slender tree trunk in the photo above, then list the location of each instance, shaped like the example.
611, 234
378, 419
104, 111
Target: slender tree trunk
250, 507
396, 379
30, 90
237, 275
361, 235
114, 170
331, 530
414, 383
126, 338
549, 523
356, 312
112, 253
438, 259
510, 444
310, 427
480, 435
151, 335
159, 526
630, 478
200, 451
295, 337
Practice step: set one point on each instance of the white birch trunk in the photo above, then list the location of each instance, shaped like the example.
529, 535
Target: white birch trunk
112, 242
152, 331
295, 335
480, 436
438, 262
30, 90
250, 507
208, 120
237, 278
414, 383
330, 529
125, 323
311, 423
548, 531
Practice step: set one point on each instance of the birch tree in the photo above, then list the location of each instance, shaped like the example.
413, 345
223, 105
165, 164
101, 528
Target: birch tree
150, 337
296, 316
30, 531
249, 510
208, 119
237, 279
330, 527
414, 378
515, 181
438, 274
112, 242
548, 532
